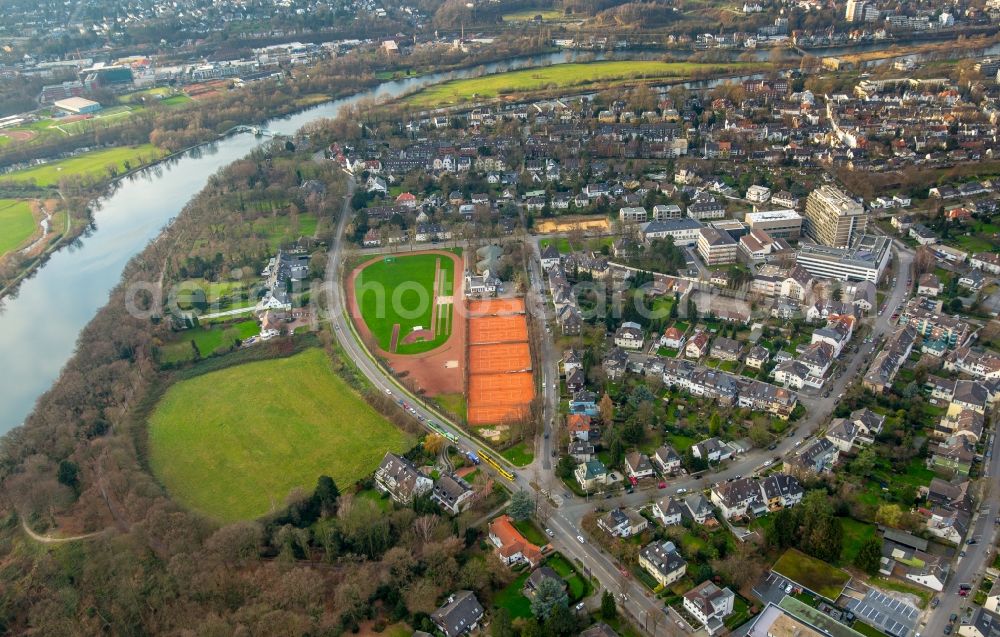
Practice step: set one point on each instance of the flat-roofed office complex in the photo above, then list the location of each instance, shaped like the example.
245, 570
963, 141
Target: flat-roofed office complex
780, 224
864, 260
832, 218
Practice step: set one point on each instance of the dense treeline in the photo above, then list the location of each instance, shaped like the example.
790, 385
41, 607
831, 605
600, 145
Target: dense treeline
323, 565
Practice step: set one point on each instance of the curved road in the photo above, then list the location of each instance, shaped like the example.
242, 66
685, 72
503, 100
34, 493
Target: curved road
559, 511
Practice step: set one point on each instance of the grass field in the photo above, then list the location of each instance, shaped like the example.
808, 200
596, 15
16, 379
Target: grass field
402, 291
566, 75
455, 403
92, 164
233, 443
815, 575
16, 224
548, 15
520, 455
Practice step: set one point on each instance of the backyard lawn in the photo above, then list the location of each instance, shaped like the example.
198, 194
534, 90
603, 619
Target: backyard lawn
855, 534
16, 224
207, 340
513, 599
232, 444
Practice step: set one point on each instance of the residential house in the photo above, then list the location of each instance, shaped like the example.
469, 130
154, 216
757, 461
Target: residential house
398, 477
672, 338
780, 490
663, 562
953, 495
539, 575
580, 451
638, 466
629, 336
452, 493
842, 434
710, 605
511, 546
726, 349
599, 629
699, 508
928, 284
667, 459
697, 345
668, 511
591, 474
459, 615
712, 450
949, 525
757, 357
817, 457
549, 257
738, 498
621, 523
984, 624
578, 426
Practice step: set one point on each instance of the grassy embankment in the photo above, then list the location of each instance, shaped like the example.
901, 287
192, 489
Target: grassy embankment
573, 75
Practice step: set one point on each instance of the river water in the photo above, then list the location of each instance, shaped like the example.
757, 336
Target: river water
40, 324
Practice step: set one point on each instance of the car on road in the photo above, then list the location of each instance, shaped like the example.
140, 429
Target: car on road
633, 480
389, 392
549, 533
662, 485
682, 490
961, 553
935, 602
579, 606
953, 618
971, 541
580, 538
947, 629
772, 446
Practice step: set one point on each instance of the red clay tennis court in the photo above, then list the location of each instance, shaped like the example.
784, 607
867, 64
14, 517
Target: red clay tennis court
498, 329
494, 398
499, 358
496, 306
495, 414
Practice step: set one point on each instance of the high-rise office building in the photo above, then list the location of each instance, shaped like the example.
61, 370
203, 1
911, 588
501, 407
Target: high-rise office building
832, 218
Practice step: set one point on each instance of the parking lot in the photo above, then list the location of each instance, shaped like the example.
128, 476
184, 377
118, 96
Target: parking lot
888, 614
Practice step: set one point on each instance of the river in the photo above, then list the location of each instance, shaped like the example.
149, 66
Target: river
39, 325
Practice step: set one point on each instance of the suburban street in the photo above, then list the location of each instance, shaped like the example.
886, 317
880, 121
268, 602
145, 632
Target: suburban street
563, 516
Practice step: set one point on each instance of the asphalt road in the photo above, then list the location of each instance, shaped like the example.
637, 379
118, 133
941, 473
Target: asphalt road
970, 569
561, 513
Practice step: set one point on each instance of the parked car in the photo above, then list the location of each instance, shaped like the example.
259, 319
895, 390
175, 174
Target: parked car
662, 485
549, 533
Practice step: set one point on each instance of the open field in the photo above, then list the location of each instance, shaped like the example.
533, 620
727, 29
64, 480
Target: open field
815, 575
402, 291
571, 75
17, 224
548, 15
233, 443
92, 164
